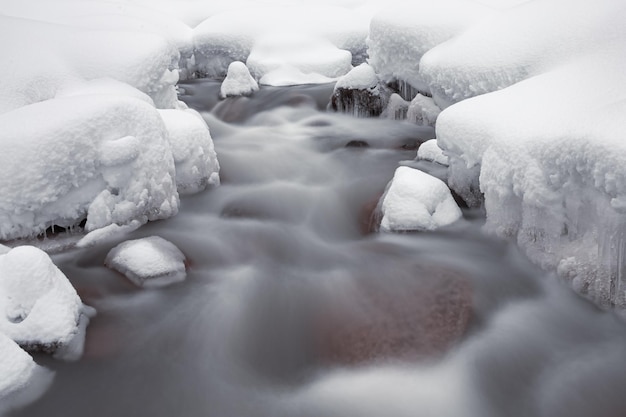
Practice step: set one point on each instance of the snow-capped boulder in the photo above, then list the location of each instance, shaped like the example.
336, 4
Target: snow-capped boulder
22, 379
358, 93
417, 201
423, 111
103, 158
430, 151
238, 81
192, 148
39, 308
291, 58
149, 262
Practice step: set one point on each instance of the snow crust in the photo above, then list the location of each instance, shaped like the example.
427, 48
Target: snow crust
149, 262
430, 151
238, 81
417, 201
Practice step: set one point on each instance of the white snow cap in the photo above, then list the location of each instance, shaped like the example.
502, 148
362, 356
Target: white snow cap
430, 151
238, 81
148, 262
361, 77
39, 308
417, 201
312, 59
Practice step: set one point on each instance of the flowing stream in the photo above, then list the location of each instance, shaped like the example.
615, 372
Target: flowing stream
292, 307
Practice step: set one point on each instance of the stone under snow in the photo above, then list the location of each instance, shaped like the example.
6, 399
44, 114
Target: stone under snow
148, 262
417, 201
39, 308
238, 81
430, 151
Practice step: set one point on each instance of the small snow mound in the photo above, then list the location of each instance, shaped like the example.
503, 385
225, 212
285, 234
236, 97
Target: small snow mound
423, 111
149, 262
430, 151
39, 308
362, 77
238, 81
417, 201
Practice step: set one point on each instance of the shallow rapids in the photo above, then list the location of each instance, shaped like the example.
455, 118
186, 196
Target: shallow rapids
293, 308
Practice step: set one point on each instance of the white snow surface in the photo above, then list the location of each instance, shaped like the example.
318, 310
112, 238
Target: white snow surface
39, 308
148, 262
238, 81
106, 158
22, 379
400, 35
514, 44
551, 160
430, 151
308, 37
423, 111
361, 77
309, 55
192, 148
417, 201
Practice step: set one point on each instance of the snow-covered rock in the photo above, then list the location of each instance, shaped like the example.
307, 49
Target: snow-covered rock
417, 201
315, 59
22, 379
517, 43
551, 160
312, 42
66, 55
358, 93
400, 35
430, 151
149, 262
39, 308
396, 108
238, 81
192, 147
423, 111
103, 158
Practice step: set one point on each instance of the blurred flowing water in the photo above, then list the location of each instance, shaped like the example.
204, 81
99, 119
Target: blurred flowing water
291, 308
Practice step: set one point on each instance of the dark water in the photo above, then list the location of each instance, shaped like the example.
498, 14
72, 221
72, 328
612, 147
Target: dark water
291, 308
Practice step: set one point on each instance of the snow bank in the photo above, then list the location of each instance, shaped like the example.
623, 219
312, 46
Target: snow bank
22, 379
517, 43
41, 310
430, 151
417, 201
103, 158
67, 55
238, 81
400, 35
149, 262
192, 148
551, 160
321, 31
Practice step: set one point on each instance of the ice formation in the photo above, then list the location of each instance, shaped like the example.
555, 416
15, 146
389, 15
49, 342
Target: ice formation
430, 151
41, 309
238, 81
149, 262
423, 111
417, 201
